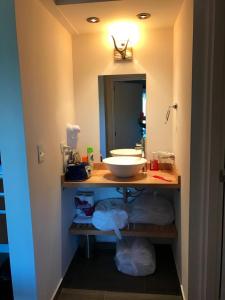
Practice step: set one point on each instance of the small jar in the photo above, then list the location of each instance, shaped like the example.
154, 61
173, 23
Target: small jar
154, 163
166, 160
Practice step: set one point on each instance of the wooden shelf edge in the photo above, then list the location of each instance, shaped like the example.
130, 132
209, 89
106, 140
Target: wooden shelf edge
104, 185
102, 178
136, 230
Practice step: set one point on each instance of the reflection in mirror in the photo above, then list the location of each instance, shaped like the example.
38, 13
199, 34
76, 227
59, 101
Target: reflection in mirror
122, 104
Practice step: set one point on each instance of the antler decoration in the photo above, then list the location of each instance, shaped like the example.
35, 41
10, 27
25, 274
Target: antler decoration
122, 52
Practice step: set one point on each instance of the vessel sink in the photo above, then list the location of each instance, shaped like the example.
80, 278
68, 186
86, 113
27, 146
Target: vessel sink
124, 166
126, 152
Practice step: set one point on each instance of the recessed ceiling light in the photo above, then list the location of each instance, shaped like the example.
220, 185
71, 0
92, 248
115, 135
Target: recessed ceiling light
143, 16
93, 20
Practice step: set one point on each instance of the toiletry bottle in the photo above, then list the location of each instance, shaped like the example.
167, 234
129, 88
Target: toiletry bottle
90, 154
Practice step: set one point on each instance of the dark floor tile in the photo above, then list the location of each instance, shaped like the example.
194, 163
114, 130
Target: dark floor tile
165, 278
100, 273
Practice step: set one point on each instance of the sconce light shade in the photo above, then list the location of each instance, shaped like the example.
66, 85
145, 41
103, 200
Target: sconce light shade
124, 36
122, 52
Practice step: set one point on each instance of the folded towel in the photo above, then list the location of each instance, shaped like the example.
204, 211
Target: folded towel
82, 220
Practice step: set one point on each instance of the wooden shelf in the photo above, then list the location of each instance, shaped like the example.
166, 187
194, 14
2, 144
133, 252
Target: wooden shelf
3, 230
2, 202
4, 248
137, 230
104, 178
1, 186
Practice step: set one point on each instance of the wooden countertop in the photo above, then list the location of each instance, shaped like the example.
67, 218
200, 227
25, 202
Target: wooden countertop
103, 178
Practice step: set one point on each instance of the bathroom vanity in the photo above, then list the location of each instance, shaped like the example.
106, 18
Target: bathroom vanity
103, 178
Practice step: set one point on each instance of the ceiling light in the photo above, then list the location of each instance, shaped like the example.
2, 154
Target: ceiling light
93, 20
143, 16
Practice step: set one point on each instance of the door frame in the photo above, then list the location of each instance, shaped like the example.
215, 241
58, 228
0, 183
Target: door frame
116, 106
14, 162
207, 150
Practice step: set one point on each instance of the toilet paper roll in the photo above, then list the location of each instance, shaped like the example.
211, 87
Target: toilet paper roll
72, 135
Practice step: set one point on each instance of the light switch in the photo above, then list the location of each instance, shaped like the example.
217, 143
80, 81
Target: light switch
41, 154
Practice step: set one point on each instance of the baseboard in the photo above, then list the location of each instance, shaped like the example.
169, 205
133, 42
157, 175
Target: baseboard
56, 290
182, 291
97, 294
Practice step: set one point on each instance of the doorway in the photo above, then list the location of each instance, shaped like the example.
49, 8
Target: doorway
122, 103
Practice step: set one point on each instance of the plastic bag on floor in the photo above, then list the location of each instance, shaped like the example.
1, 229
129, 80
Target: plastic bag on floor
152, 209
135, 257
110, 214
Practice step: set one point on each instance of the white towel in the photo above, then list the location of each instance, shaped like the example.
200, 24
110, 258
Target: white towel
82, 220
72, 135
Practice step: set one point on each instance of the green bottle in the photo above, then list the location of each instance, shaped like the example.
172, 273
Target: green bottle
90, 155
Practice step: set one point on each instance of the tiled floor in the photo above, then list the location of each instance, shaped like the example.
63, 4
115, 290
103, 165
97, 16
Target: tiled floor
98, 279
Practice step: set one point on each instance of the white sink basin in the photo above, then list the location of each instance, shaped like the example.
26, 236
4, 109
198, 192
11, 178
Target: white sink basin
124, 166
126, 152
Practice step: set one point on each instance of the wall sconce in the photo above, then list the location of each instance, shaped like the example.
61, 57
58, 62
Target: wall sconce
124, 36
122, 52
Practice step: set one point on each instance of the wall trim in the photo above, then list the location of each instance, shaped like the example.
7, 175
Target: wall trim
56, 289
182, 292
58, 14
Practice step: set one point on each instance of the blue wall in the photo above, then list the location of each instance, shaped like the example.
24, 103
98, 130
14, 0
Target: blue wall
14, 160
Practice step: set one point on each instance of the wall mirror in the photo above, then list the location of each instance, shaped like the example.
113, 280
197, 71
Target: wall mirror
122, 104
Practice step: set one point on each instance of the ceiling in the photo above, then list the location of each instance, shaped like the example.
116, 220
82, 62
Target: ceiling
163, 14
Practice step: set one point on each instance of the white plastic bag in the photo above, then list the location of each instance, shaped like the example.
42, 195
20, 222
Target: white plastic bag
135, 257
110, 214
152, 209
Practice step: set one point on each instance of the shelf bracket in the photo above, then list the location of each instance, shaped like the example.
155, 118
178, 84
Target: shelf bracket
125, 194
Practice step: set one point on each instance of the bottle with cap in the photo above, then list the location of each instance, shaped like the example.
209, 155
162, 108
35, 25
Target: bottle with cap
90, 155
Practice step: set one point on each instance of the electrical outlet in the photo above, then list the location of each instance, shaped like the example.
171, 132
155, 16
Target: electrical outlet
41, 154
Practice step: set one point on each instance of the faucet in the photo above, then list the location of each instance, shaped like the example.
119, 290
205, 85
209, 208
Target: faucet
141, 146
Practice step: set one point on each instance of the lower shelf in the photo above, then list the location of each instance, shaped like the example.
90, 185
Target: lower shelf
137, 230
4, 248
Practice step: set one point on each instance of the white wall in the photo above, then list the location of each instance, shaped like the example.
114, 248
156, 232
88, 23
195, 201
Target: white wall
183, 32
153, 55
45, 49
